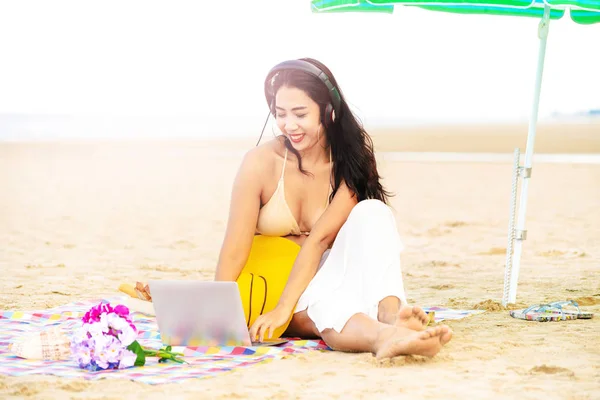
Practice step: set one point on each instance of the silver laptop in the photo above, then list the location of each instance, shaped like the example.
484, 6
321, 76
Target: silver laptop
201, 313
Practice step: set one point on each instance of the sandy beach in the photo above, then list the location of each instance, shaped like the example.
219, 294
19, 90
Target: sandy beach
79, 218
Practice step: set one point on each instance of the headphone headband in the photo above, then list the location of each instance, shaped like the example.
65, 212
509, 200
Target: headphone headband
310, 68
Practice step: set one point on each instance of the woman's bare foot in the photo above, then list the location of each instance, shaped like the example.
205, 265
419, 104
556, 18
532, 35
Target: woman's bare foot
409, 317
396, 341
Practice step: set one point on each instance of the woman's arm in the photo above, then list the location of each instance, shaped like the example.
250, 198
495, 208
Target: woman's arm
243, 215
321, 237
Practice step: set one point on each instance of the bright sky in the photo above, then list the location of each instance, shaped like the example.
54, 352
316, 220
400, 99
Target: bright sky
208, 59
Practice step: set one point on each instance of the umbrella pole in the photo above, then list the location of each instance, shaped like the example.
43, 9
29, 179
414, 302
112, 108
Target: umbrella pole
520, 234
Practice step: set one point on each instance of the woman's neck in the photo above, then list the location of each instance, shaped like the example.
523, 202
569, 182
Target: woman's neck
317, 155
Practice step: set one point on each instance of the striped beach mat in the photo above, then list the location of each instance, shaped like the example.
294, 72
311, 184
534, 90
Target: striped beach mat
202, 361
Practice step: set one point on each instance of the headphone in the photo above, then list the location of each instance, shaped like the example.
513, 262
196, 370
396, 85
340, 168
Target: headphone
300, 65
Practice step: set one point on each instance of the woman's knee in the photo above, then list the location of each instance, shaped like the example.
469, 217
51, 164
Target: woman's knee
372, 211
374, 219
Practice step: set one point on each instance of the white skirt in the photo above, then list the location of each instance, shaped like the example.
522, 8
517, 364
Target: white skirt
361, 269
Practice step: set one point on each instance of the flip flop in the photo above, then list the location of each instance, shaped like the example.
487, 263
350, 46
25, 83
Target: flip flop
570, 311
542, 313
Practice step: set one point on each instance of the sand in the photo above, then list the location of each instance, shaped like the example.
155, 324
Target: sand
78, 219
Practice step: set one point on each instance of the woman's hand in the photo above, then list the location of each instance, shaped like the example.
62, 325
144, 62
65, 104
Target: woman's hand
268, 323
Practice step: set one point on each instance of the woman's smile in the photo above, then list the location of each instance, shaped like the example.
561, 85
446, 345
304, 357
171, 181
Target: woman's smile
296, 137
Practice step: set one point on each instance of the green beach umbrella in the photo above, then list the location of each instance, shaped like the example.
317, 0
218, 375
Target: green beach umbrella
580, 11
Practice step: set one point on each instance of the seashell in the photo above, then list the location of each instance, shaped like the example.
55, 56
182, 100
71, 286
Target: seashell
49, 344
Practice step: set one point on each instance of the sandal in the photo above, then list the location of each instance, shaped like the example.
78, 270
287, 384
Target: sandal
570, 311
542, 313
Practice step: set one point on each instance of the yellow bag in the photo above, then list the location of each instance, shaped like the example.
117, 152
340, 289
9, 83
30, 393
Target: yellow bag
265, 275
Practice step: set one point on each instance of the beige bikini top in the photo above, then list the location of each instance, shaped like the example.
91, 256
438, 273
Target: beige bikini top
275, 217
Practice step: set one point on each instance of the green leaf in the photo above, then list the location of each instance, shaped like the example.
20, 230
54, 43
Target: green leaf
139, 351
164, 354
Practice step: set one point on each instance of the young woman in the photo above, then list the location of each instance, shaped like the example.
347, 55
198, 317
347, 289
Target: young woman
310, 238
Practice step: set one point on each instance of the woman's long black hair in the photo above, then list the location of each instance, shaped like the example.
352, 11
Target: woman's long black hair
351, 146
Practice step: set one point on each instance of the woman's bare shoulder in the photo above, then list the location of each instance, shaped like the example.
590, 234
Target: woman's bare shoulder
263, 158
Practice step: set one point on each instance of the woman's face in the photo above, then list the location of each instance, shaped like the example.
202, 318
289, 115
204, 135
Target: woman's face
298, 118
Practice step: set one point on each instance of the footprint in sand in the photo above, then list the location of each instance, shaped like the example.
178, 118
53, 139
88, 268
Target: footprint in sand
494, 251
61, 293
445, 228
442, 287
571, 253
438, 263
455, 224
437, 231
40, 266
587, 301
550, 369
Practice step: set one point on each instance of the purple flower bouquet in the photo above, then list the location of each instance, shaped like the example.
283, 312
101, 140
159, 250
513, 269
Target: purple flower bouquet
107, 340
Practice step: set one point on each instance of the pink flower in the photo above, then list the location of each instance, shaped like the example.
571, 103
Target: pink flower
93, 314
122, 311
105, 308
